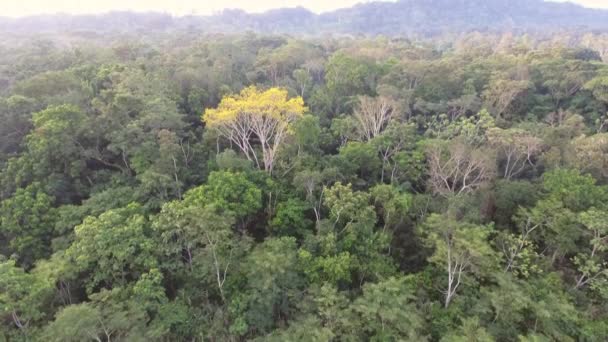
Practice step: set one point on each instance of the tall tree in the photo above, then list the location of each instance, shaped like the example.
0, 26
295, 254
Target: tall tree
373, 115
25, 299
517, 150
113, 249
592, 265
265, 115
457, 168
26, 222
460, 248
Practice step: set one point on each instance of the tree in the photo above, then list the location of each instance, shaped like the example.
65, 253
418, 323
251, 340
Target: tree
577, 191
199, 238
345, 128
169, 173
456, 168
509, 197
470, 331
53, 88
373, 115
599, 88
25, 298
563, 78
503, 90
54, 150
402, 81
555, 216
471, 130
227, 191
589, 154
459, 248
312, 185
393, 204
346, 244
277, 63
26, 221
266, 115
273, 284
106, 317
303, 80
537, 304
517, 150
592, 266
114, 248
357, 159
386, 311
401, 154
15, 114
347, 76
135, 109
290, 219
77, 323
518, 250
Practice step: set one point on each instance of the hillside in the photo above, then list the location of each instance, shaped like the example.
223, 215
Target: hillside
388, 18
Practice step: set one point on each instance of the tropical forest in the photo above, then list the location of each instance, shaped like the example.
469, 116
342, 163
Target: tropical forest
178, 183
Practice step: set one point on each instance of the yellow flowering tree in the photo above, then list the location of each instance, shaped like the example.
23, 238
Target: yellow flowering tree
256, 117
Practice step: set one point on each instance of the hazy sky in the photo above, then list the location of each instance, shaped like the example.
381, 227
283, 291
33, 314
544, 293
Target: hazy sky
16, 8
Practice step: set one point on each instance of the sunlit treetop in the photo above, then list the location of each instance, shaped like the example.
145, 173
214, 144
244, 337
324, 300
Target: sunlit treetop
266, 115
272, 104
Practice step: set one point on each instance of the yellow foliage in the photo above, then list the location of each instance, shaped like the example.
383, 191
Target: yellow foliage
266, 115
270, 104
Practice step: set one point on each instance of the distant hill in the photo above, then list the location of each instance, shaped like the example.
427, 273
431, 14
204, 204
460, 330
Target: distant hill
389, 18
431, 16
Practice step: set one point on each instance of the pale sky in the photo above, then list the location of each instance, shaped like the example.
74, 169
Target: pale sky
16, 8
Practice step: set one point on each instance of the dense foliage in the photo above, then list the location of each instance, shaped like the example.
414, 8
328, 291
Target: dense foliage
231, 188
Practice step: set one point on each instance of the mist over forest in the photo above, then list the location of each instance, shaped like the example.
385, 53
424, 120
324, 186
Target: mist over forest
403, 17
412, 171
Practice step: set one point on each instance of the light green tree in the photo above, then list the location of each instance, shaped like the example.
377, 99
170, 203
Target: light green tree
114, 248
460, 249
25, 299
27, 220
592, 265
